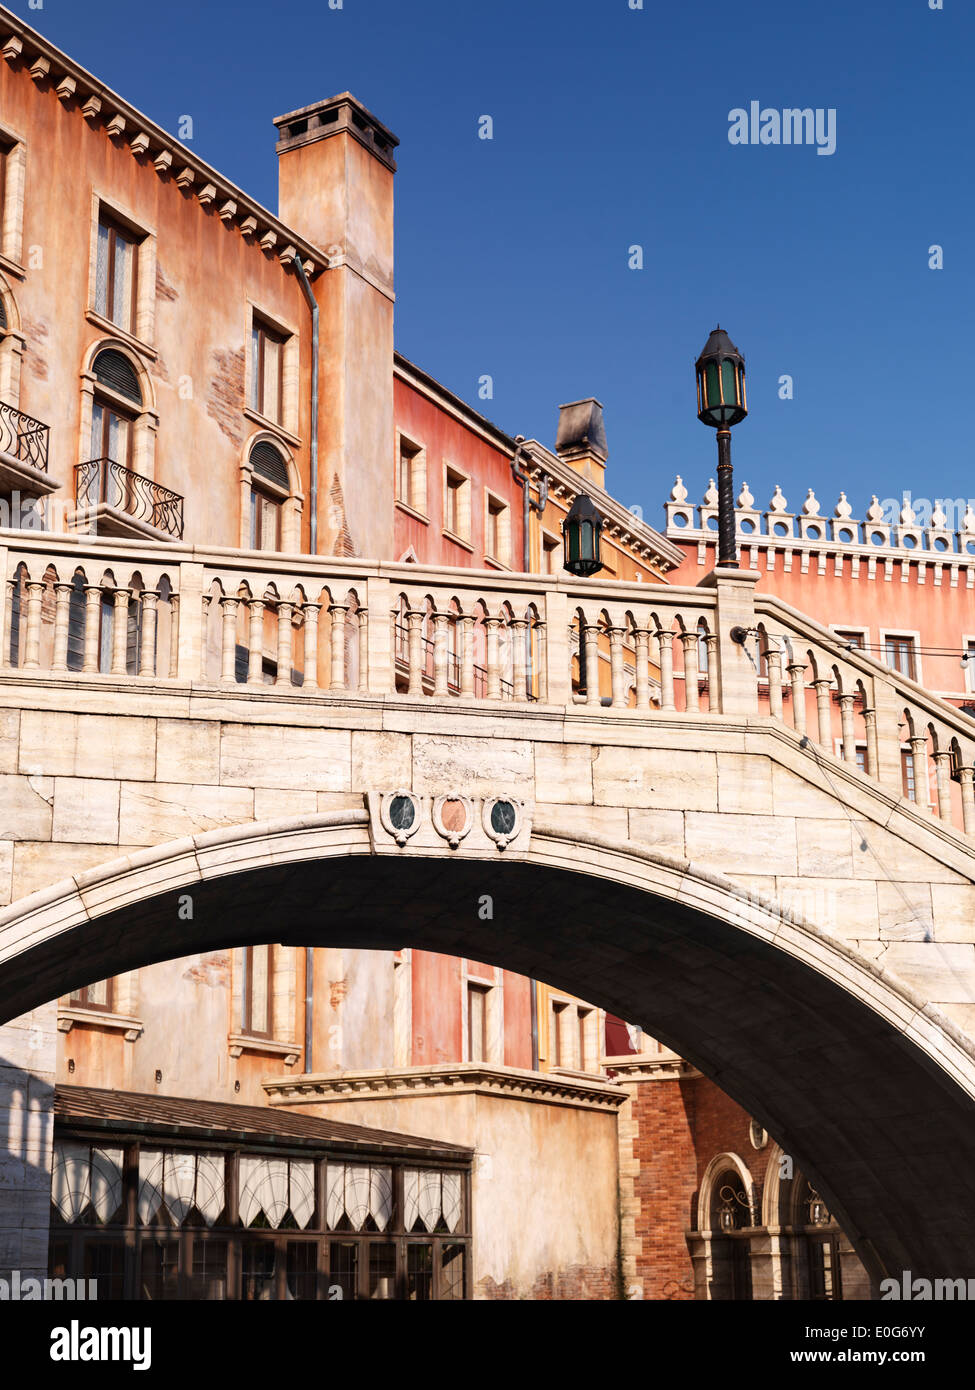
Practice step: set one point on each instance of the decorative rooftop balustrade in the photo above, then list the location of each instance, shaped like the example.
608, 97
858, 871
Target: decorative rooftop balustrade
940, 532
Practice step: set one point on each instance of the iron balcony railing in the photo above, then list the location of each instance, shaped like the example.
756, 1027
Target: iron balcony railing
23, 437
108, 483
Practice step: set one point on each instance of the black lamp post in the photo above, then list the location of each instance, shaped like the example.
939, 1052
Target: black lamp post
721, 404
581, 530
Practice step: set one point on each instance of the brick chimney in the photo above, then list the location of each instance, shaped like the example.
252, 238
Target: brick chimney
335, 187
581, 439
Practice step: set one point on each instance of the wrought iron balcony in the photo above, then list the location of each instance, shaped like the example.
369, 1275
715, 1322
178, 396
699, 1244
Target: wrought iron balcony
23, 452
119, 500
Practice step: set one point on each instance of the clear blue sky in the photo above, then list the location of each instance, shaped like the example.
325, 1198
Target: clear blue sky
611, 129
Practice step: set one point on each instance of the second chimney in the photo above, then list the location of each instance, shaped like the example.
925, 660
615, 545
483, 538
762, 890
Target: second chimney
581, 439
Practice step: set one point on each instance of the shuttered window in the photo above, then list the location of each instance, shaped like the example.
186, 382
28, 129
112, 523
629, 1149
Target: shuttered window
269, 468
114, 370
267, 371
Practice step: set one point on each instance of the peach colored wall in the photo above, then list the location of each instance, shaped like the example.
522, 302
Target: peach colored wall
206, 274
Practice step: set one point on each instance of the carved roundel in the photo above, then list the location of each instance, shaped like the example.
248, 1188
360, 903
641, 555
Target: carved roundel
399, 813
453, 817
501, 818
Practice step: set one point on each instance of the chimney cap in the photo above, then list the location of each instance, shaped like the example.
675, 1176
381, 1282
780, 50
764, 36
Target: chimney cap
334, 116
581, 430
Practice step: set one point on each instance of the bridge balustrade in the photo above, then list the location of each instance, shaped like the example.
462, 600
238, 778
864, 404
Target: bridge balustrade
93, 609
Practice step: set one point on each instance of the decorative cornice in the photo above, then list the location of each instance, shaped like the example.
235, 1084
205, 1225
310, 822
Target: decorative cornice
650, 1066
124, 124
462, 1078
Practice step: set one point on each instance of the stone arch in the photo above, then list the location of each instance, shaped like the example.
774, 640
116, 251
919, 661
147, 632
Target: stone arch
713, 968
719, 1165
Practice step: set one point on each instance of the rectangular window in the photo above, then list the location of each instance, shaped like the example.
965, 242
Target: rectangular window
410, 475
158, 1269
551, 554
559, 1034
97, 996
257, 1271
457, 505
451, 1272
382, 1270
851, 638
265, 521
267, 371
343, 1266
861, 754
583, 1032
900, 653
116, 274
970, 664
497, 540
476, 1023
419, 1272
907, 773
257, 991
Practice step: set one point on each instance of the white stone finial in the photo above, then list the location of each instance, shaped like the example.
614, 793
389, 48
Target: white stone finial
875, 511
908, 517
938, 519
678, 492
778, 502
843, 508
711, 496
745, 500
968, 520
811, 506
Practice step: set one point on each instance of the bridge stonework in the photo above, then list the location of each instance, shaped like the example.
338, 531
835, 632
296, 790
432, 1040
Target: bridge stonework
782, 917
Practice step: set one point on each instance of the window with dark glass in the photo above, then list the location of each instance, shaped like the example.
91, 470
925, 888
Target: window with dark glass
267, 371
116, 273
900, 654
97, 996
270, 488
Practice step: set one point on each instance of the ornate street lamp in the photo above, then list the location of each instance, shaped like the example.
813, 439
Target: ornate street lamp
581, 530
721, 404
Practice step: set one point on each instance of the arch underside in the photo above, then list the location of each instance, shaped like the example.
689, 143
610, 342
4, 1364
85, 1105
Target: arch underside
882, 1130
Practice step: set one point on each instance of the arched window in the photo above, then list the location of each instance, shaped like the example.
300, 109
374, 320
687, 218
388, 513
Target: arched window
270, 489
112, 425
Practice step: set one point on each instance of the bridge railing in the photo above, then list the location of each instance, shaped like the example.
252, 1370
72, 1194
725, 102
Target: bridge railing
77, 606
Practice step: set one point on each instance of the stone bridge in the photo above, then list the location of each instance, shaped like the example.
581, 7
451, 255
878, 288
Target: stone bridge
683, 804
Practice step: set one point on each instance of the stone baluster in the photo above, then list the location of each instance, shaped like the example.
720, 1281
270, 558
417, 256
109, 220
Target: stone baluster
338, 613
618, 692
519, 662
255, 658
692, 692
919, 761
493, 658
285, 616
440, 655
967, 776
591, 637
414, 650
942, 772
846, 724
147, 646
641, 642
32, 648
541, 658
873, 752
362, 625
62, 620
467, 656
665, 660
714, 671
311, 612
93, 613
773, 664
822, 687
228, 640
120, 632
173, 636
797, 671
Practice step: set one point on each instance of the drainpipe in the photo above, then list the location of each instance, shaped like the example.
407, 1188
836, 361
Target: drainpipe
522, 477
313, 306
